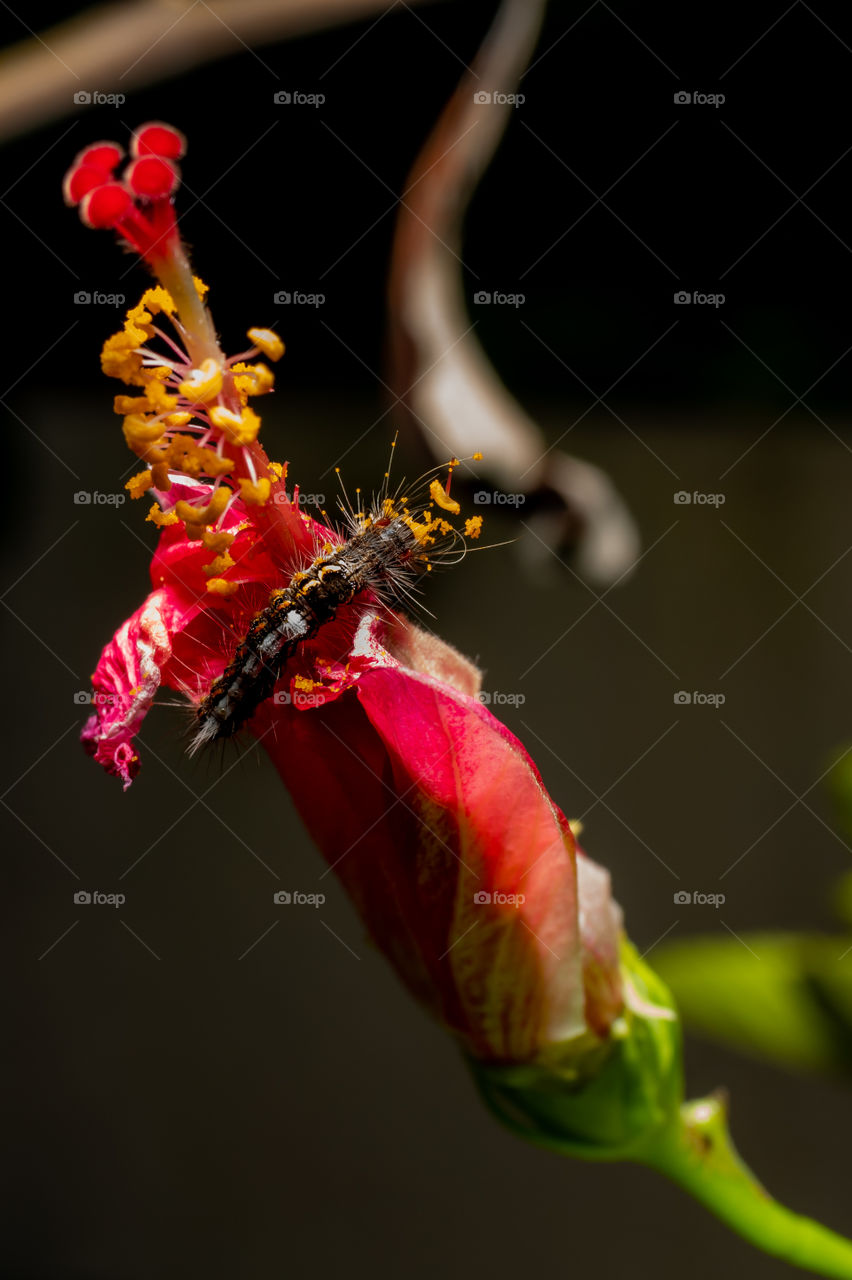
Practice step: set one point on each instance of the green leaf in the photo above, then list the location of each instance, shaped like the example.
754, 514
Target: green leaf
786, 998
841, 898
839, 786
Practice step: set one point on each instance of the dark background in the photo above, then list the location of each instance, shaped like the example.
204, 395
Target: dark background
174, 1109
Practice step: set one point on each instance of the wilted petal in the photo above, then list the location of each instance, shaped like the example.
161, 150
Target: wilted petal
601, 921
126, 680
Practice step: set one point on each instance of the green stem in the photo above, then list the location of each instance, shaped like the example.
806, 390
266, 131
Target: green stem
699, 1156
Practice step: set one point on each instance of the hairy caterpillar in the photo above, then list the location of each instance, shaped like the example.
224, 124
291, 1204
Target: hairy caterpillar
389, 547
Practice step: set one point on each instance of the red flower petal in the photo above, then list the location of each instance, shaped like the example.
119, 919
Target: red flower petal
430, 810
194, 630
126, 679
405, 791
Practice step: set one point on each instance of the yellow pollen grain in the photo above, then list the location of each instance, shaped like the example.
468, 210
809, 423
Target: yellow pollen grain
255, 494
441, 498
142, 428
203, 384
239, 428
157, 299
222, 587
253, 379
162, 519
140, 440
195, 518
159, 398
119, 359
473, 527
420, 529
139, 484
131, 404
138, 321
217, 542
305, 685
268, 342
184, 454
218, 565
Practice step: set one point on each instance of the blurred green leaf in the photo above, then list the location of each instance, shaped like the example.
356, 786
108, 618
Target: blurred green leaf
839, 785
841, 898
782, 997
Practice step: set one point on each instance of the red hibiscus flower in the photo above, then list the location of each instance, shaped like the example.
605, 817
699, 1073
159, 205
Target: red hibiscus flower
431, 813
486, 909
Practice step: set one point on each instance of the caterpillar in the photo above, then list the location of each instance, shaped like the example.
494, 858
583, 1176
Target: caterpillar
390, 546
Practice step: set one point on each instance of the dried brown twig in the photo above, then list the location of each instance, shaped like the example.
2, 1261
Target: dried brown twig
439, 370
119, 47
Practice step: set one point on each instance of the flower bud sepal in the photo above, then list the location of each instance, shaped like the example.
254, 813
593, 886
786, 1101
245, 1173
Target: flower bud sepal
592, 1100
628, 1105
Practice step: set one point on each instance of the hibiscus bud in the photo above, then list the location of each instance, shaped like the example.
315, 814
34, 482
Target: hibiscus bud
464, 870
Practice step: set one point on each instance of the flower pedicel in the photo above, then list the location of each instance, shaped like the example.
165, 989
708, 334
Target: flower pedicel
489, 912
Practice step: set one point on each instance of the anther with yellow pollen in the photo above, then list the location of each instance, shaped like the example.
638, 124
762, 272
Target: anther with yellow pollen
188, 418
